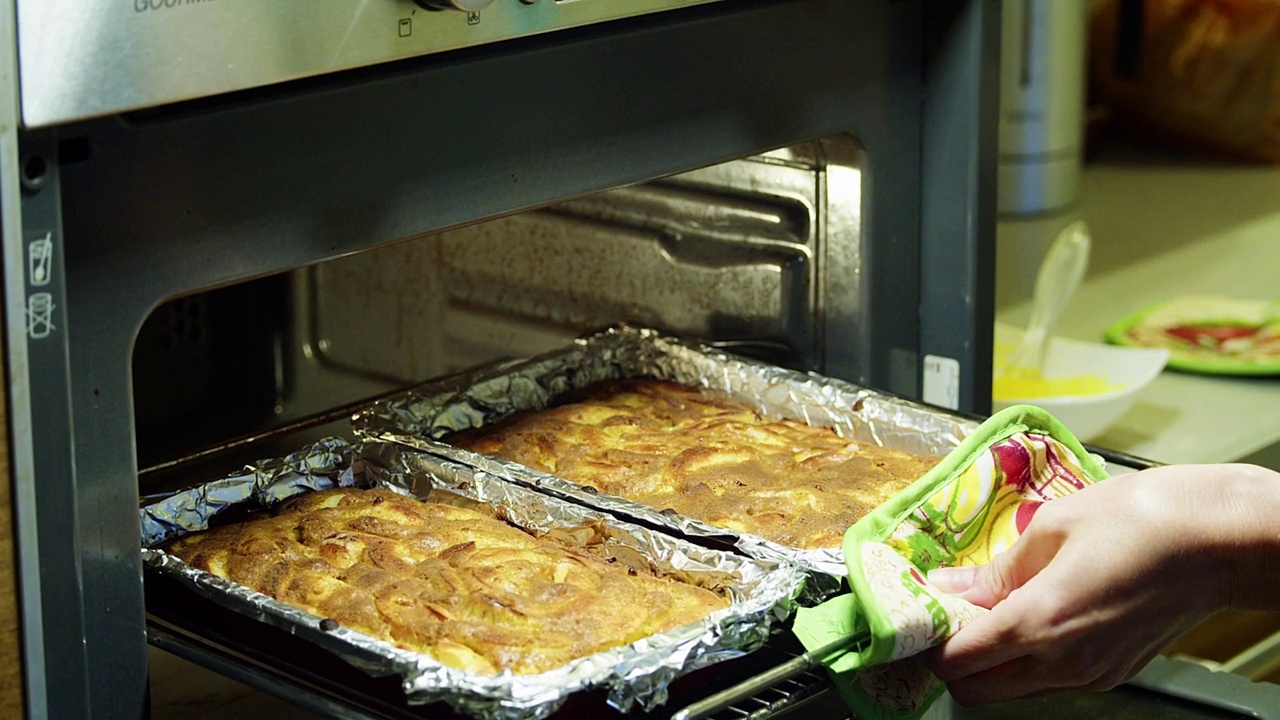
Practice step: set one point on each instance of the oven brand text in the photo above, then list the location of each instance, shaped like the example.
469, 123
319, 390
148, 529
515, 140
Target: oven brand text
145, 5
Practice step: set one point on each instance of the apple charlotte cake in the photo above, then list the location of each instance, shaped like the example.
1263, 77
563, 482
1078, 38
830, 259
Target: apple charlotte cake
705, 457
461, 586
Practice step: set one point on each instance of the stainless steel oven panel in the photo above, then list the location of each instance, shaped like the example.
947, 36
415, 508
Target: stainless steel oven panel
81, 59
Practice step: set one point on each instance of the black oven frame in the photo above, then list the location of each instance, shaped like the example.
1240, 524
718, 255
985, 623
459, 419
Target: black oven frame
168, 201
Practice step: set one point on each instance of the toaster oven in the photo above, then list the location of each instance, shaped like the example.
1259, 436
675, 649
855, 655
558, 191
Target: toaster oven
228, 224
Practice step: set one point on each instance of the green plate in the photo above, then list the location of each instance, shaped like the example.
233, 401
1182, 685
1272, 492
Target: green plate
1203, 322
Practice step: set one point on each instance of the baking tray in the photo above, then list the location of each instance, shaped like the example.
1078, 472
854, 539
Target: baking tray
420, 416
762, 592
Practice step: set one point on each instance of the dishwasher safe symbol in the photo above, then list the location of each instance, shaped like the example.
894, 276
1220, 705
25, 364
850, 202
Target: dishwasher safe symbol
40, 315
40, 260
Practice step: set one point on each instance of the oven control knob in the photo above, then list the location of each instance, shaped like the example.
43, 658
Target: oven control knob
467, 5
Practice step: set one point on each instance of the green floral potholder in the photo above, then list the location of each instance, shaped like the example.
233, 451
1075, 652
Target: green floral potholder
968, 509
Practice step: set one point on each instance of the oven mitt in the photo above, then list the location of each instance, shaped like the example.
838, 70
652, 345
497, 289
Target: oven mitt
970, 507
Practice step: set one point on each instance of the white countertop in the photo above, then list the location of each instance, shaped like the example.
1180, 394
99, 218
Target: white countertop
1164, 226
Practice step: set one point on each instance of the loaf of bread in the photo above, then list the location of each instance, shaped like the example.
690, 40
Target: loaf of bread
705, 457
466, 588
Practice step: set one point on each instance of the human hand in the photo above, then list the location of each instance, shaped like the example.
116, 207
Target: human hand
1103, 579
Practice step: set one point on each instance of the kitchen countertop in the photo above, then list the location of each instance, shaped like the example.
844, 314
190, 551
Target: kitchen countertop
1164, 226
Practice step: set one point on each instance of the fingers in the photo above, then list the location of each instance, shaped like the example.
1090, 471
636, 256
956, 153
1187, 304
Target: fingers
983, 585
1136, 667
998, 637
1087, 596
988, 641
986, 585
1030, 644
1029, 676
1018, 678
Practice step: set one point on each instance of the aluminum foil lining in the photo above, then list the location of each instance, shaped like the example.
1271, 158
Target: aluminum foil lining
762, 592
419, 417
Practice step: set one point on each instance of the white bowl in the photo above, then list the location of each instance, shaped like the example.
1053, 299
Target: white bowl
1129, 369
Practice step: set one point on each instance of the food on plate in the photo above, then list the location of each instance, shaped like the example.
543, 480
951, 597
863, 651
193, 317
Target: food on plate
706, 457
462, 586
1243, 342
1209, 333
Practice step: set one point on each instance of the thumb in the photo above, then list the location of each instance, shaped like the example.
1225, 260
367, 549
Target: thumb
986, 585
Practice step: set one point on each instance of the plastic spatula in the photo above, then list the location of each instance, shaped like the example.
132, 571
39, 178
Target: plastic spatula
1056, 282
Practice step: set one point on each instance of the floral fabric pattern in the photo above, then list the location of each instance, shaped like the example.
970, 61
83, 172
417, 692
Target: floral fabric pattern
973, 512
965, 522
922, 615
980, 514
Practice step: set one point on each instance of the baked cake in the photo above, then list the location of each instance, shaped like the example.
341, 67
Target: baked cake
705, 457
461, 586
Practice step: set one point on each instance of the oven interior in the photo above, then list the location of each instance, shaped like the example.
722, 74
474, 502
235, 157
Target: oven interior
746, 255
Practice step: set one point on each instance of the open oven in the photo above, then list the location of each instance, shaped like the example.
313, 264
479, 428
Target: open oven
228, 225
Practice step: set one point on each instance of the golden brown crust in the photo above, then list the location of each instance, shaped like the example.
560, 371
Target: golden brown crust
706, 457
463, 587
